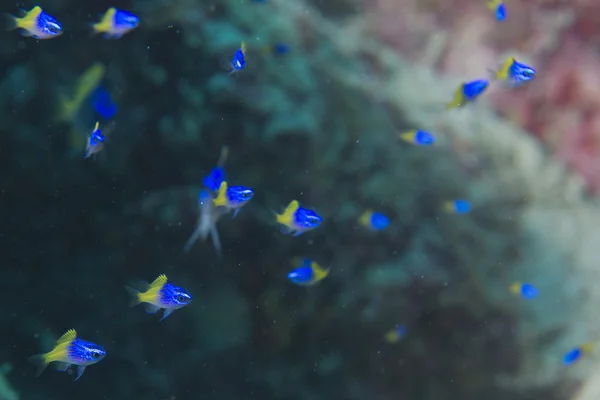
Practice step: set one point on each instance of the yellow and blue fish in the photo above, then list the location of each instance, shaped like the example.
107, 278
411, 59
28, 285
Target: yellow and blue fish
374, 220
115, 23
69, 350
458, 206
526, 290
160, 294
514, 72
207, 223
308, 273
417, 137
468, 92
35, 23
574, 355
238, 61
232, 197
87, 82
297, 220
499, 9
394, 335
95, 142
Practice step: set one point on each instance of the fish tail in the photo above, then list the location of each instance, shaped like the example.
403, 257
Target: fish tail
214, 233
221, 199
135, 297
10, 22
503, 72
195, 236
408, 136
458, 99
493, 4
286, 217
41, 361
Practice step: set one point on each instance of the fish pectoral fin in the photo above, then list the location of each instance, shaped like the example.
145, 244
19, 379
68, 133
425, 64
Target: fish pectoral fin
80, 370
168, 311
62, 366
151, 308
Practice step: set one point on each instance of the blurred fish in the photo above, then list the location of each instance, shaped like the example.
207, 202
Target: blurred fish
160, 294
85, 85
526, 290
36, 23
308, 273
417, 137
69, 350
394, 335
514, 73
238, 62
575, 354
216, 176
103, 104
232, 197
499, 9
115, 23
207, 223
374, 220
297, 220
95, 142
467, 93
277, 49
457, 206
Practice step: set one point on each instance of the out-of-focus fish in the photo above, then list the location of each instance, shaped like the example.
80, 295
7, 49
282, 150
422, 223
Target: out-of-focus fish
394, 335
85, 85
160, 294
526, 290
115, 23
308, 273
35, 23
103, 104
577, 353
417, 137
207, 223
216, 176
499, 9
233, 197
69, 350
297, 220
458, 206
514, 73
95, 142
467, 93
374, 220
238, 62
277, 49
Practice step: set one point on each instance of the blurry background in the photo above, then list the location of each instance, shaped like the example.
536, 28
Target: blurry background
318, 123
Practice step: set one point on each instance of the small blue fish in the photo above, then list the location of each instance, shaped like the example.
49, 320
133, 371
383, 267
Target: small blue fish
499, 9
95, 142
394, 335
238, 62
35, 23
308, 273
417, 137
207, 223
216, 176
457, 206
514, 73
297, 220
527, 290
103, 104
160, 294
467, 93
115, 23
575, 354
69, 350
374, 220
278, 49
233, 197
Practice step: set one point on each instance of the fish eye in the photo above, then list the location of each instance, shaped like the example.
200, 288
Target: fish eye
181, 298
96, 355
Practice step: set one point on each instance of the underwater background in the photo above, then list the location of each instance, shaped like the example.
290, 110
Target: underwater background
452, 252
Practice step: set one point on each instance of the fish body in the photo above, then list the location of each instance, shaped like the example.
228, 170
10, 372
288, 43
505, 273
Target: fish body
115, 23
467, 93
232, 197
458, 206
297, 220
95, 142
207, 223
514, 73
574, 355
374, 220
417, 137
499, 9
70, 350
160, 294
103, 104
526, 290
36, 23
308, 273
394, 335
238, 62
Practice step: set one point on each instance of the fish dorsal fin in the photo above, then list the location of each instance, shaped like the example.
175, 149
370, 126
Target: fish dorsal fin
160, 281
69, 336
